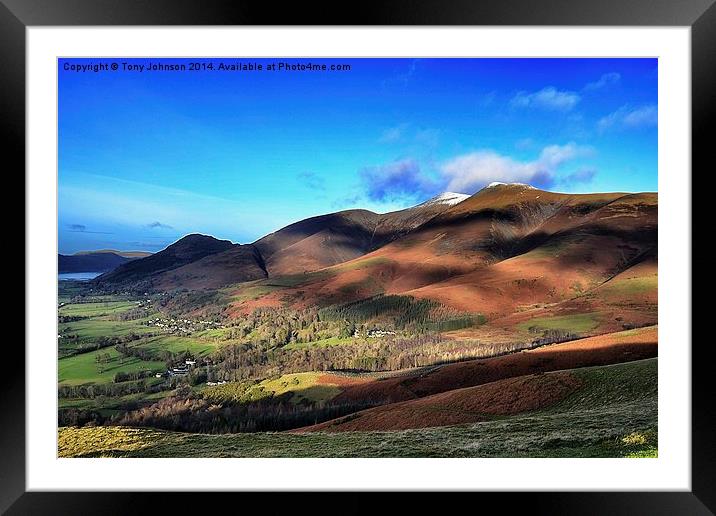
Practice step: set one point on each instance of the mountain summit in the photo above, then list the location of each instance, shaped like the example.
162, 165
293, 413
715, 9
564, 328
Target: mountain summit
498, 183
186, 250
448, 198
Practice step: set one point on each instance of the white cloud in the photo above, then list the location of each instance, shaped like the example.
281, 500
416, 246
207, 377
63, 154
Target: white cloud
399, 179
470, 172
646, 115
630, 117
607, 79
547, 98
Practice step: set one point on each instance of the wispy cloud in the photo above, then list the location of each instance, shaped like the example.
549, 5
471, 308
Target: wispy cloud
81, 228
549, 98
630, 117
158, 225
393, 134
470, 172
348, 201
399, 179
467, 173
119, 202
608, 79
403, 77
428, 137
525, 144
312, 180
580, 176
487, 99
405, 134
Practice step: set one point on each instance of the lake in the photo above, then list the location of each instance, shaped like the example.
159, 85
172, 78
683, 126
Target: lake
77, 276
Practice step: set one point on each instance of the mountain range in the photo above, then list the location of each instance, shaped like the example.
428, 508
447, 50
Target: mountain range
507, 250
96, 261
201, 261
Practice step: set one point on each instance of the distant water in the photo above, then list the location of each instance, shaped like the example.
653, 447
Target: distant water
77, 276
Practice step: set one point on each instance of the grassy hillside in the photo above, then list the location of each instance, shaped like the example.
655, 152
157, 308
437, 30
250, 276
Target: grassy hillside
612, 414
295, 387
101, 366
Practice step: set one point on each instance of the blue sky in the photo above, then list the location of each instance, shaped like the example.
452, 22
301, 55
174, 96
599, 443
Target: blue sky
146, 157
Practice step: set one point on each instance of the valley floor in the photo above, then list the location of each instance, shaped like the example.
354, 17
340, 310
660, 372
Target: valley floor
612, 413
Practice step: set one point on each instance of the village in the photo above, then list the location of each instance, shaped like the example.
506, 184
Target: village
184, 370
373, 334
181, 326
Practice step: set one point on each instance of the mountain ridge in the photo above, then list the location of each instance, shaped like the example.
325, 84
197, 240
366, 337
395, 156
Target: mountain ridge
472, 254
98, 261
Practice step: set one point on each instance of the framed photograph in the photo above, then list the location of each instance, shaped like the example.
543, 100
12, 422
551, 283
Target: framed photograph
425, 248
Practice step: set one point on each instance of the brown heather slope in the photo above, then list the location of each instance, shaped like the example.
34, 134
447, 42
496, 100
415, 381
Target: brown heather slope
574, 254
238, 264
503, 250
459, 406
186, 250
331, 239
318, 242
203, 262
600, 350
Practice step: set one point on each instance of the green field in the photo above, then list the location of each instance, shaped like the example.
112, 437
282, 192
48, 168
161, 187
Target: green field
575, 323
116, 404
176, 344
78, 365
98, 321
83, 368
630, 286
66, 290
614, 414
300, 387
89, 329
256, 289
86, 331
96, 309
251, 292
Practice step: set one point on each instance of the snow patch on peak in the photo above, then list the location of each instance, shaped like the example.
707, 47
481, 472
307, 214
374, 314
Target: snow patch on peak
449, 198
498, 183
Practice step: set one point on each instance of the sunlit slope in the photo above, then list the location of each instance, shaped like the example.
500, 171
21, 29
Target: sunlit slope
505, 249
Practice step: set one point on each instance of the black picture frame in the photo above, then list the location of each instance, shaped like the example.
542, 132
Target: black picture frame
17, 15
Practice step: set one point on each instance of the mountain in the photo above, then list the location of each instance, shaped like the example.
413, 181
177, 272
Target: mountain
186, 250
202, 262
319, 242
237, 264
91, 261
511, 252
335, 238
